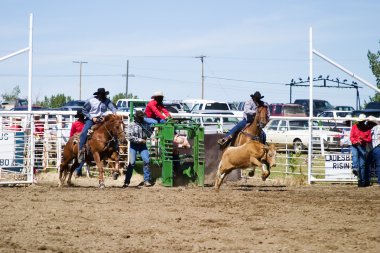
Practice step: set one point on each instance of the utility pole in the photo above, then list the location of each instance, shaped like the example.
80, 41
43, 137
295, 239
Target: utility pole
203, 76
80, 77
126, 80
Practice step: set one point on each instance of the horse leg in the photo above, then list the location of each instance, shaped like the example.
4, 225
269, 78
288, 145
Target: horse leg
99, 164
62, 168
72, 168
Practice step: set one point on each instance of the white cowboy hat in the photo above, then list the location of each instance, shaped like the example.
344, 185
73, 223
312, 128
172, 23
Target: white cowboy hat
158, 94
361, 117
373, 119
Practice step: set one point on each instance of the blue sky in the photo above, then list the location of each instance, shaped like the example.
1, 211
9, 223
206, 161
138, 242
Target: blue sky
249, 45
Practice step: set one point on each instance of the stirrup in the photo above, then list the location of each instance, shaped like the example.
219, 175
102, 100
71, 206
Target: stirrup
222, 142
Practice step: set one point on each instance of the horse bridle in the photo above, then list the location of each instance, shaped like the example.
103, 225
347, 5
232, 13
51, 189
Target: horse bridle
110, 133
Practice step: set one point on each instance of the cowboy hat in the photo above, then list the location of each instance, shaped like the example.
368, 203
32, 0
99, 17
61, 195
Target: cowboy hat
101, 91
79, 114
158, 94
139, 114
257, 95
361, 117
372, 119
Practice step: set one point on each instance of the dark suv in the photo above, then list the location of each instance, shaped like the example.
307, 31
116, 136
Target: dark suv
318, 105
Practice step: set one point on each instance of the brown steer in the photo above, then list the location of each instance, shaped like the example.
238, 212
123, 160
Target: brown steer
252, 153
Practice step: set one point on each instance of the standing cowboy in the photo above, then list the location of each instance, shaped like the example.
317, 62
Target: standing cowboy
138, 133
93, 111
250, 108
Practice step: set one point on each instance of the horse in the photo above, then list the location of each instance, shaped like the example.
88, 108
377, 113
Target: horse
253, 130
100, 146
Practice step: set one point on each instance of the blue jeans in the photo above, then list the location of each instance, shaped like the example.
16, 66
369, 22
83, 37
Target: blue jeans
359, 164
83, 136
78, 170
143, 150
238, 127
153, 121
374, 158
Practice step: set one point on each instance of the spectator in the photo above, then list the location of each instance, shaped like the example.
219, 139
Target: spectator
155, 110
360, 137
138, 132
76, 128
373, 157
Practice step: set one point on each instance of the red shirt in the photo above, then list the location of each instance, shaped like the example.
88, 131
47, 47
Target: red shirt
39, 129
76, 127
359, 136
153, 110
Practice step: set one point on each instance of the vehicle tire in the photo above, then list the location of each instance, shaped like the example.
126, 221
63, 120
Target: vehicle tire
297, 147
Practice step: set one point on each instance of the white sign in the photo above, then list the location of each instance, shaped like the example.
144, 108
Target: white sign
7, 149
338, 166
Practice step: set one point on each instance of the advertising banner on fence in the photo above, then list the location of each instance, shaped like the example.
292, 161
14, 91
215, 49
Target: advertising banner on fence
7, 149
338, 166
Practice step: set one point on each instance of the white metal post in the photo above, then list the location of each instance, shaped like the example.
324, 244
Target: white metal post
309, 164
30, 62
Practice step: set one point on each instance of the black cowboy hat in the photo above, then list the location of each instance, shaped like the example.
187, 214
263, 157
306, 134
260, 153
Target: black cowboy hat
139, 114
257, 95
79, 114
101, 91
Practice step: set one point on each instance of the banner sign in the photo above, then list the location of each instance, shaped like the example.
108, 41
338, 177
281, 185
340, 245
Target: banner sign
7, 149
338, 166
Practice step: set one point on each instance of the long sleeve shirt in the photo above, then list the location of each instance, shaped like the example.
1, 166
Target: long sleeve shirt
76, 127
358, 136
375, 134
250, 109
138, 132
95, 108
154, 110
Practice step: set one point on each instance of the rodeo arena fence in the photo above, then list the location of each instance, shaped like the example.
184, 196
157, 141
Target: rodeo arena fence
33, 141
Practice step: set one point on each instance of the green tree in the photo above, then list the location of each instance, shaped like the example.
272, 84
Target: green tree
374, 63
13, 95
121, 96
55, 101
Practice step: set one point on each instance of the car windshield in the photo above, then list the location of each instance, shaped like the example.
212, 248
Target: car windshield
75, 103
342, 114
215, 120
216, 106
137, 104
293, 109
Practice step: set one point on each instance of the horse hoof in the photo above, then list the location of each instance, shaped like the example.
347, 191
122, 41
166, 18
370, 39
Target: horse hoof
102, 186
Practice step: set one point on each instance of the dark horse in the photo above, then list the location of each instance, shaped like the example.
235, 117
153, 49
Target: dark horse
100, 146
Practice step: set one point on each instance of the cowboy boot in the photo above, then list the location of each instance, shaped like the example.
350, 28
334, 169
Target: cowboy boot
224, 140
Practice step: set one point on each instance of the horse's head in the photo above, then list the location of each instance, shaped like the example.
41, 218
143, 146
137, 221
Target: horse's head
115, 126
262, 116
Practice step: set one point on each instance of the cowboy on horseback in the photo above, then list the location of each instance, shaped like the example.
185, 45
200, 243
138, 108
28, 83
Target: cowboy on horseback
250, 108
93, 110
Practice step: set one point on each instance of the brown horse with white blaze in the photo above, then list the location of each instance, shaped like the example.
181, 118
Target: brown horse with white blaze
100, 146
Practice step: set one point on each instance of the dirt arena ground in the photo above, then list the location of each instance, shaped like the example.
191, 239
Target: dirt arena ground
248, 216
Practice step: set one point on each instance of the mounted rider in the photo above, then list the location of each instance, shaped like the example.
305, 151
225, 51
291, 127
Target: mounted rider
93, 111
250, 108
